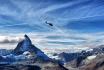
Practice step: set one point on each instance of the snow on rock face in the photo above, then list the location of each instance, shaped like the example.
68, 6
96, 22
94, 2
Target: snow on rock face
91, 57
26, 53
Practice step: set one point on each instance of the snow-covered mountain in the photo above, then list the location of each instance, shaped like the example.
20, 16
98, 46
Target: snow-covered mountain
25, 46
23, 53
77, 59
27, 54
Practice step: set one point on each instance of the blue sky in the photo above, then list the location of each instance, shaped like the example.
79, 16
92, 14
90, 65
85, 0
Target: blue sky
76, 22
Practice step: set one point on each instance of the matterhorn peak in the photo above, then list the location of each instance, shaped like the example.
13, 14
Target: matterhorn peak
24, 45
26, 38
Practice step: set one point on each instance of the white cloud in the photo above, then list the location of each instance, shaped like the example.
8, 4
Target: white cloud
9, 39
41, 40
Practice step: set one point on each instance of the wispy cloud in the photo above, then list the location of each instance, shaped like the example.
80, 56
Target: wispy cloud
43, 40
72, 20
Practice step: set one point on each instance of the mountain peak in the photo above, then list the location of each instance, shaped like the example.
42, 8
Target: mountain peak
23, 45
26, 45
26, 36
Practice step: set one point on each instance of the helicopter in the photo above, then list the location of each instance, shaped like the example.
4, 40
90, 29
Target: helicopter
50, 24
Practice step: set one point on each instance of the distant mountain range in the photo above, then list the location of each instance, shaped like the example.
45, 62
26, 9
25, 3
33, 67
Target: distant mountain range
92, 59
29, 57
